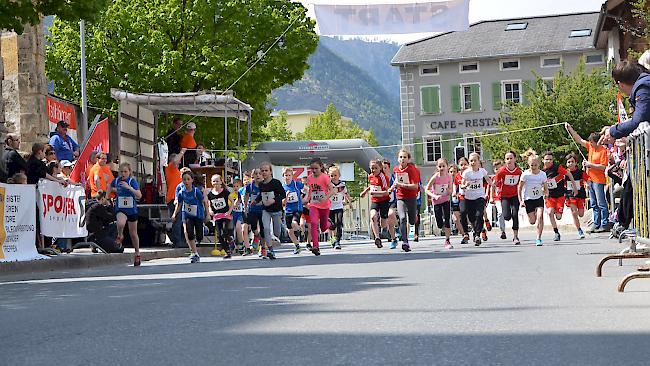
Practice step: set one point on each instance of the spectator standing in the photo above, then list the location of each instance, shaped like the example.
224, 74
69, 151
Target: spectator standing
173, 138
36, 168
188, 142
173, 181
50, 154
100, 175
14, 162
64, 146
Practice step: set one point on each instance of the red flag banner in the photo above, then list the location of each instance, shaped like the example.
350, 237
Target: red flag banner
58, 110
98, 141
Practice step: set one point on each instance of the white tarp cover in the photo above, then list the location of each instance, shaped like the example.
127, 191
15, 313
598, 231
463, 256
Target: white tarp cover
61, 210
18, 223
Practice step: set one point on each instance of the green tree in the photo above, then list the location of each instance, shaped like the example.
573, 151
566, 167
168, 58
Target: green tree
277, 129
181, 46
330, 125
583, 99
14, 14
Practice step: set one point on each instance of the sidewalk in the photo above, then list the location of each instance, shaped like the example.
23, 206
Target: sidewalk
85, 258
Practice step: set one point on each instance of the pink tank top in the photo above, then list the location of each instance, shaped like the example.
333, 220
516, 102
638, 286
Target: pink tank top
441, 187
318, 189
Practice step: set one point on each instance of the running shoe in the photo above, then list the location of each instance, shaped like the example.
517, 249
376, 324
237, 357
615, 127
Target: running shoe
488, 225
316, 251
503, 235
270, 253
228, 255
484, 235
378, 243
309, 246
538, 242
556, 237
477, 241
297, 250
247, 251
581, 234
263, 253
448, 244
406, 247
516, 241
465, 239
393, 245
416, 238
337, 245
137, 260
194, 258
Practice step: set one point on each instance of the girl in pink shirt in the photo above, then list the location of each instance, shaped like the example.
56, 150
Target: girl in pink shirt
439, 189
318, 197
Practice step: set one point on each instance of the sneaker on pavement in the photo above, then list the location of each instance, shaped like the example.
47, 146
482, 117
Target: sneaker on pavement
448, 244
337, 245
477, 241
194, 258
484, 235
297, 250
465, 239
309, 246
393, 245
270, 253
406, 247
228, 255
316, 251
516, 241
581, 234
538, 242
378, 243
556, 237
503, 235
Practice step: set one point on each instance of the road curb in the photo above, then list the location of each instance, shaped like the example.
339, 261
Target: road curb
70, 262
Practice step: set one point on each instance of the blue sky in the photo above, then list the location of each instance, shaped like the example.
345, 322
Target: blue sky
488, 9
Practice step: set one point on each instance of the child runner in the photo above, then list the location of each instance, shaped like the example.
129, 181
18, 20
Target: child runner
194, 206
220, 209
472, 184
463, 164
455, 202
507, 180
293, 205
254, 216
532, 191
272, 195
237, 199
378, 185
320, 191
407, 185
556, 184
338, 200
304, 219
418, 203
439, 189
392, 215
495, 199
126, 206
576, 202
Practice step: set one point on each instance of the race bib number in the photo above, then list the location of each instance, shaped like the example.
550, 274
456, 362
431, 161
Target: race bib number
268, 196
337, 198
569, 186
536, 192
403, 178
219, 203
125, 202
374, 188
239, 207
252, 198
192, 210
551, 184
317, 196
511, 180
292, 197
474, 185
440, 189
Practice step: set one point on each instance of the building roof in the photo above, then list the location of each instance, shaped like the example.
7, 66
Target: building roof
489, 39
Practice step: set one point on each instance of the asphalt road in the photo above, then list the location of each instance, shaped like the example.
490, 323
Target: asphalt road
495, 304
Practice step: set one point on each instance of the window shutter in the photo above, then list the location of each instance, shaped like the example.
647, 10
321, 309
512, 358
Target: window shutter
476, 97
435, 100
455, 98
496, 96
418, 154
430, 100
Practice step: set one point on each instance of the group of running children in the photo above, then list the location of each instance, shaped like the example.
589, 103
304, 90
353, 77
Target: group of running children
314, 204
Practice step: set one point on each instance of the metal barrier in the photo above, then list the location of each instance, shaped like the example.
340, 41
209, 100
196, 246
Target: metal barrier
638, 169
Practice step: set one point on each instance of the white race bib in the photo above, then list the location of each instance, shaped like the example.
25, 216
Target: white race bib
192, 210
268, 196
511, 180
374, 188
536, 192
402, 178
337, 198
292, 197
569, 186
125, 202
474, 185
440, 189
219, 203
551, 184
317, 196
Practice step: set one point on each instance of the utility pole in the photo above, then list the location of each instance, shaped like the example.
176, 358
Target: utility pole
82, 129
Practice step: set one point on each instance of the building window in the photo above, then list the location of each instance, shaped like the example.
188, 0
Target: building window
432, 149
580, 33
551, 61
548, 85
430, 102
512, 64
512, 91
467, 97
594, 58
470, 97
516, 26
473, 144
429, 70
467, 67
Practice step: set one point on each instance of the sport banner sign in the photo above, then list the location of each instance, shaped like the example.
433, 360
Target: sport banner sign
377, 19
58, 110
61, 210
18, 223
97, 140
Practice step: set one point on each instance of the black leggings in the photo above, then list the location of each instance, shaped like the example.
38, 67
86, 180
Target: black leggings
417, 221
510, 210
223, 231
406, 210
336, 216
475, 209
625, 211
194, 229
442, 212
463, 216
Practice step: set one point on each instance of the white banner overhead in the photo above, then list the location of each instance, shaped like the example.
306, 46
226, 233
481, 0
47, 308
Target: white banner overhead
61, 210
374, 19
18, 223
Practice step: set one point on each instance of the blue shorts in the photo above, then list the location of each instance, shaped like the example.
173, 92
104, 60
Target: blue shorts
237, 217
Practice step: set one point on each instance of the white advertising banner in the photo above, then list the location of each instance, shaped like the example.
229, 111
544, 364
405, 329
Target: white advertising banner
374, 19
299, 171
61, 210
18, 223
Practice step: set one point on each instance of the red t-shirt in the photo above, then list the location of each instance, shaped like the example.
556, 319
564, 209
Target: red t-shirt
378, 183
507, 181
408, 175
458, 179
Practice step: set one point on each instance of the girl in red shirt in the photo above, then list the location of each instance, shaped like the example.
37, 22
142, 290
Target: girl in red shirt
378, 185
459, 193
407, 185
507, 180
320, 191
